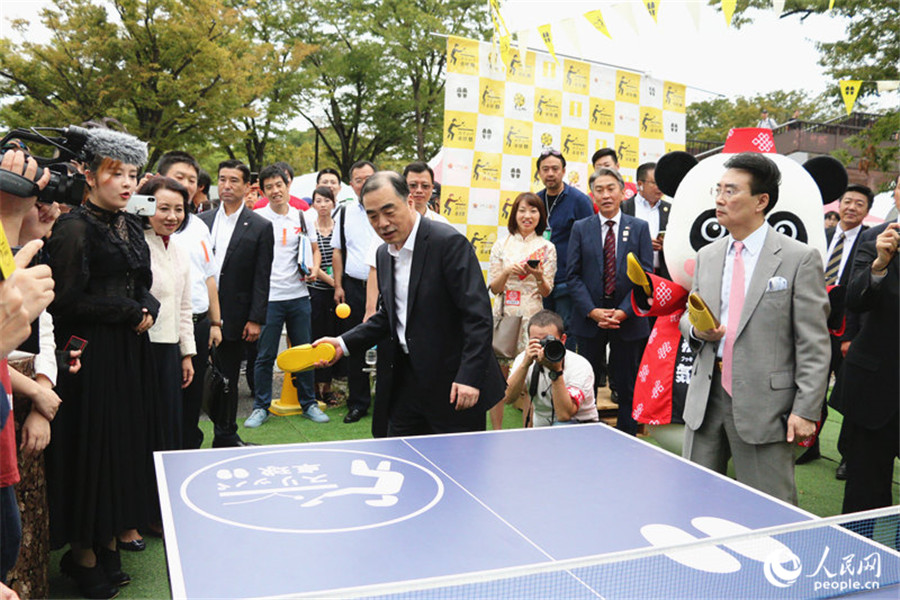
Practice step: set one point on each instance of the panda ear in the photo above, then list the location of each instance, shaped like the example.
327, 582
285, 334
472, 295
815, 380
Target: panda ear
829, 174
671, 169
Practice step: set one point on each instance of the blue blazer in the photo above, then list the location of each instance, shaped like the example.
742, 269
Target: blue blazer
584, 272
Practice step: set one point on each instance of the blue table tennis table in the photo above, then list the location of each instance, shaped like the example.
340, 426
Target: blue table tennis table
299, 519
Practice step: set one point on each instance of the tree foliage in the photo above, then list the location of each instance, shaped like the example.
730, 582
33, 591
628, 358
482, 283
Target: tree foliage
231, 77
711, 119
168, 70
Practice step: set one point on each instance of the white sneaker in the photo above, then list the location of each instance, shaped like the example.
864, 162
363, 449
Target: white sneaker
256, 418
315, 414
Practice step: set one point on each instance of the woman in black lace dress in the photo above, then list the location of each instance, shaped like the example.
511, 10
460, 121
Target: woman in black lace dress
98, 459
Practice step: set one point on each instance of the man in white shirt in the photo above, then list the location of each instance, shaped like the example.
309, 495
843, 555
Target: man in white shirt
420, 179
351, 227
194, 240
561, 391
648, 205
289, 305
765, 121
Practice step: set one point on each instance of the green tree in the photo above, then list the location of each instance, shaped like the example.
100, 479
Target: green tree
275, 83
870, 52
710, 120
172, 72
408, 29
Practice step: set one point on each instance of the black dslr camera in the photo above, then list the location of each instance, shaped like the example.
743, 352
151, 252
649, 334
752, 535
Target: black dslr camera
66, 185
554, 350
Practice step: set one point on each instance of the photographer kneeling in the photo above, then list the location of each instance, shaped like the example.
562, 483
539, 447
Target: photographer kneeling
559, 385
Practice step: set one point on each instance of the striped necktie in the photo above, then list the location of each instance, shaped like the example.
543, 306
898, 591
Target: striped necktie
609, 261
834, 261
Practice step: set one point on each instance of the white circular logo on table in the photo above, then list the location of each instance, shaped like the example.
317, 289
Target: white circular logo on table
312, 490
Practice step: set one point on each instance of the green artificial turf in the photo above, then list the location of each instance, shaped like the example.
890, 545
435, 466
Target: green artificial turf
819, 492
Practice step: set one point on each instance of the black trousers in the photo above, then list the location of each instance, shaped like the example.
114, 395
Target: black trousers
230, 354
324, 323
191, 436
870, 465
624, 361
359, 395
416, 410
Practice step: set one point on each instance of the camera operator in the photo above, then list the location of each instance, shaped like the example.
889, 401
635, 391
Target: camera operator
559, 384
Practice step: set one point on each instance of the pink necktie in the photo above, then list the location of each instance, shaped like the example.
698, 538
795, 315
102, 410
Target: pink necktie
735, 306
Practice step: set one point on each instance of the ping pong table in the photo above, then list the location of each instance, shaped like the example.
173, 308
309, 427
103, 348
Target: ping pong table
298, 519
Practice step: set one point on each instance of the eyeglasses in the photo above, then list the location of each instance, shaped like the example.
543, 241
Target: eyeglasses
420, 186
728, 191
551, 152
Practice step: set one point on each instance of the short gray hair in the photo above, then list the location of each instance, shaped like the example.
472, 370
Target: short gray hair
605, 171
383, 179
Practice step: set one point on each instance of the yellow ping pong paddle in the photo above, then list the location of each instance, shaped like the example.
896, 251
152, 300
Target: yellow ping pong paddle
699, 314
637, 275
304, 357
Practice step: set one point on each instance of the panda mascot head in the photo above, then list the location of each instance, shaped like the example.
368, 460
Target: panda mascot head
691, 184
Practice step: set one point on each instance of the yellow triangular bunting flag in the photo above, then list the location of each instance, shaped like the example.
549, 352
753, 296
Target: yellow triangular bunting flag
728, 10
830, 4
849, 91
505, 41
596, 19
547, 36
652, 8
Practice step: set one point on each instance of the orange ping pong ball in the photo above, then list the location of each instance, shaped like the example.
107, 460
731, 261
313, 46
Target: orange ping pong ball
342, 310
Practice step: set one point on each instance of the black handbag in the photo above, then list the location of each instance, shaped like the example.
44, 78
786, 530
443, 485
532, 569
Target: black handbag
215, 387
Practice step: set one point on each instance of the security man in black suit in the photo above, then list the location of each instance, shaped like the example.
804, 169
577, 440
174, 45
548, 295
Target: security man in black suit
243, 246
842, 241
435, 315
867, 384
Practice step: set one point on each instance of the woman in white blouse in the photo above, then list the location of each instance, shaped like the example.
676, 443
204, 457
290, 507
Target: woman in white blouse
172, 335
521, 272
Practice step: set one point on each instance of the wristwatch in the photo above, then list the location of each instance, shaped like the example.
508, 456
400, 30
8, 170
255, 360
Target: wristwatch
554, 375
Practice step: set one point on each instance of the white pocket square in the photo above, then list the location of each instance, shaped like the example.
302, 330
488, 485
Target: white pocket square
777, 284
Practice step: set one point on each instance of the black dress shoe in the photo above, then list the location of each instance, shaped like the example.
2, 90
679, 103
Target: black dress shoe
841, 473
132, 546
231, 443
91, 581
111, 563
354, 415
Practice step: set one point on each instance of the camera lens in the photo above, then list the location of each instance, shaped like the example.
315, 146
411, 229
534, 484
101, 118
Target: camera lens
554, 350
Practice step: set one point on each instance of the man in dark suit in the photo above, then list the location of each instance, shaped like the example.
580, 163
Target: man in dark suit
435, 317
243, 245
842, 241
648, 205
596, 272
867, 384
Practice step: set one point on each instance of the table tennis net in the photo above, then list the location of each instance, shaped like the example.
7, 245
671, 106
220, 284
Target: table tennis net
811, 559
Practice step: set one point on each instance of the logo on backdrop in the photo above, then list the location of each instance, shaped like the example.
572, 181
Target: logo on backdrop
312, 491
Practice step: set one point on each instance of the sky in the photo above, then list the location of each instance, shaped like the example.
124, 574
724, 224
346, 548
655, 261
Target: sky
710, 58
770, 54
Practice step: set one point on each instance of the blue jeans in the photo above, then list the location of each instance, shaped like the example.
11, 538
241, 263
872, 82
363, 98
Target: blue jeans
296, 315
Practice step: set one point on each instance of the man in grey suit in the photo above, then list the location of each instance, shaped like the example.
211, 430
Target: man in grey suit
759, 378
